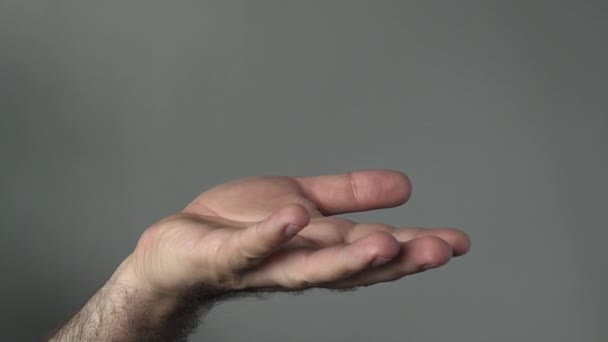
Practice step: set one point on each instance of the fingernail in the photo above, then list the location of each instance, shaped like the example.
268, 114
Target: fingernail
291, 230
380, 261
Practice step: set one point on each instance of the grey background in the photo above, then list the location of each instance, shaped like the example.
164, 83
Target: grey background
115, 114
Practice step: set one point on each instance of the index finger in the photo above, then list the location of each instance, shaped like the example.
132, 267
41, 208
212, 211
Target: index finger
357, 191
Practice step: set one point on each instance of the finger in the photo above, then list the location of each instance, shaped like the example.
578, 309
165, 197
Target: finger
357, 191
458, 240
415, 256
305, 269
255, 243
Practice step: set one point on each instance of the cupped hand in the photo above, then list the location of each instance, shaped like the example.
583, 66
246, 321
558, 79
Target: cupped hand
279, 233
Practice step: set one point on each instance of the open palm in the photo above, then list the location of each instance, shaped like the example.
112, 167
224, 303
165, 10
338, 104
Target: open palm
280, 233
241, 229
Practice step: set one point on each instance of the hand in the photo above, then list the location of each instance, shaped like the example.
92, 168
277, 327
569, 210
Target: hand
253, 235
279, 233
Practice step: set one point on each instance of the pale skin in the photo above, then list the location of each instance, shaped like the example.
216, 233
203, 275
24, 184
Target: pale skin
259, 235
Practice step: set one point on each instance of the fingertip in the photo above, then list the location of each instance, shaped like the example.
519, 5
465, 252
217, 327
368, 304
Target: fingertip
431, 252
292, 218
380, 245
464, 245
263, 238
403, 185
457, 239
392, 187
294, 215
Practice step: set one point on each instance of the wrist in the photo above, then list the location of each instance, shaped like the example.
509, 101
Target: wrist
126, 308
157, 303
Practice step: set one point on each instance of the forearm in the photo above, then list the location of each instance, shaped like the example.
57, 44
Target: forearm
124, 310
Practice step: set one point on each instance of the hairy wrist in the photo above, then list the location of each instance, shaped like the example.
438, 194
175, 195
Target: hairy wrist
125, 308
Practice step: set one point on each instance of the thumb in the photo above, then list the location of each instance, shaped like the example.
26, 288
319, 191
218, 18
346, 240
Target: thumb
257, 242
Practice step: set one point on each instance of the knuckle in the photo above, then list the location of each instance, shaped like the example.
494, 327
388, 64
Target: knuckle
265, 239
244, 250
253, 247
